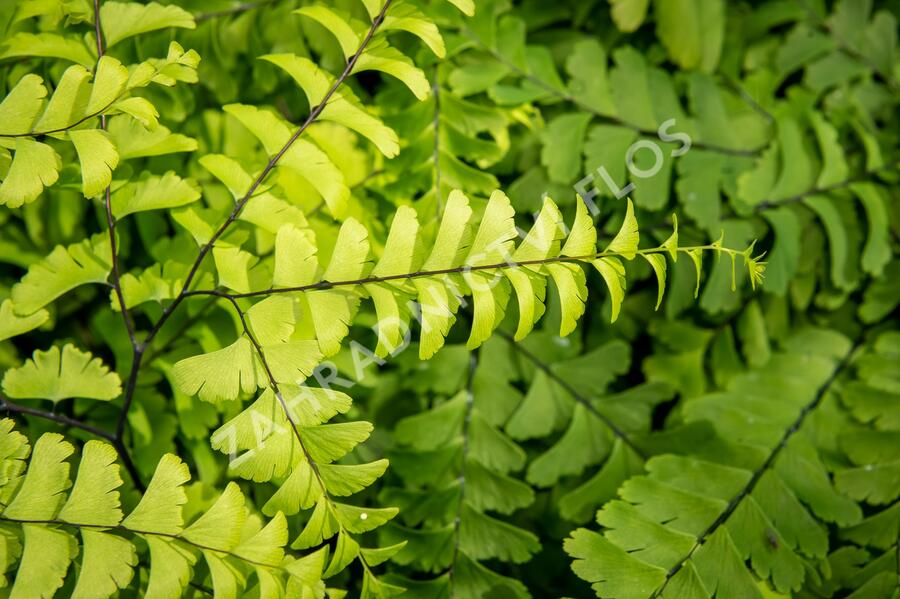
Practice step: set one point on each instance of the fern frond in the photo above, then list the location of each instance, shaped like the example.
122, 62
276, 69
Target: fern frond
43, 509
467, 259
746, 496
76, 100
571, 393
458, 465
284, 437
870, 445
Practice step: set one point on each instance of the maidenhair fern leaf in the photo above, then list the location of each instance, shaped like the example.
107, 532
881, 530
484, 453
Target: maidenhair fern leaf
154, 193
692, 31
613, 272
233, 266
343, 107
175, 571
389, 60
222, 375
313, 81
303, 157
134, 141
466, 6
34, 167
876, 253
20, 107
122, 20
58, 374
98, 157
626, 240
542, 242
220, 527
12, 324
45, 560
628, 14
159, 510
346, 550
52, 45
266, 545
107, 564
346, 480
42, 491
94, 498
402, 254
405, 17
338, 25
64, 269
110, 80
658, 263
67, 104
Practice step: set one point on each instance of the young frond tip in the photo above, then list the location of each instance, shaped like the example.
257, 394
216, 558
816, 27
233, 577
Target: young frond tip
756, 268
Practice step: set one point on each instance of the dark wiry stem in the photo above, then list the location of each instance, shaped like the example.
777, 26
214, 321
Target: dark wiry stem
98, 29
288, 414
15, 408
510, 264
134, 531
120, 448
239, 206
457, 521
110, 220
116, 440
9, 406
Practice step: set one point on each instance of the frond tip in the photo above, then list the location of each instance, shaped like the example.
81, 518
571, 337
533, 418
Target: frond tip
756, 268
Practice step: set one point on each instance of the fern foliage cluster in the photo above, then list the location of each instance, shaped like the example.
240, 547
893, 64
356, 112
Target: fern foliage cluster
449, 299
45, 510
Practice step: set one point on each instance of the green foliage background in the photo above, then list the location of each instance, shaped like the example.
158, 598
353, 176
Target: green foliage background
214, 218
